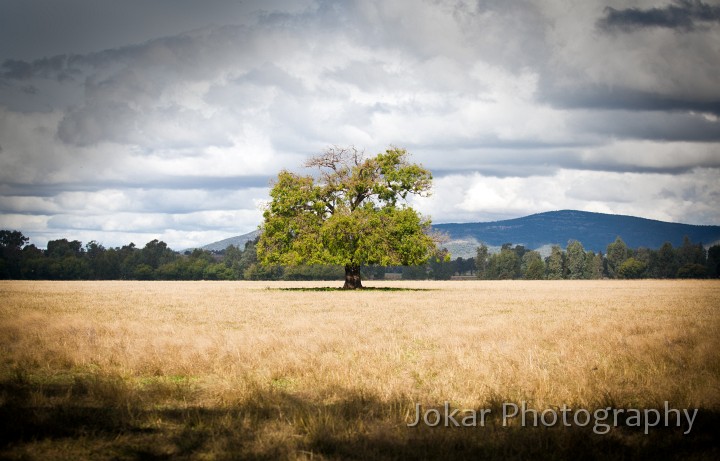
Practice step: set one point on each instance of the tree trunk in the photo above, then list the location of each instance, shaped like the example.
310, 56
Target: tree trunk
352, 278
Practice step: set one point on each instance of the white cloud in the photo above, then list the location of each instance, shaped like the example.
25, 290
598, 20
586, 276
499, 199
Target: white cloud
686, 197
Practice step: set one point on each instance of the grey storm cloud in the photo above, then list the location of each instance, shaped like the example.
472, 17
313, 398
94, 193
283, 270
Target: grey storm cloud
683, 15
658, 125
56, 67
653, 70
117, 121
539, 161
123, 87
602, 96
170, 183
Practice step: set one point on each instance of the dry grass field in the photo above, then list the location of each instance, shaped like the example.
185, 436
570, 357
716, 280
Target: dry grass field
252, 370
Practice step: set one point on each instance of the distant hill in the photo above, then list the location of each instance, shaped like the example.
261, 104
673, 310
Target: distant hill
539, 231
238, 241
594, 230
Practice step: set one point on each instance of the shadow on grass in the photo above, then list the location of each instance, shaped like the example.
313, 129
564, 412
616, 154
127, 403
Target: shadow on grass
350, 291
113, 421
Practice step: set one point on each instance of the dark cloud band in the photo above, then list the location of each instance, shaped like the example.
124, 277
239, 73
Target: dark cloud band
606, 97
683, 15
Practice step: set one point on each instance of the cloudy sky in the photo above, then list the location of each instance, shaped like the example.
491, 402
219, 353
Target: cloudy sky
127, 121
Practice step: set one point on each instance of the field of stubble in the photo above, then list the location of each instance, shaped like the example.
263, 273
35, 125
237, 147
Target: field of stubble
251, 370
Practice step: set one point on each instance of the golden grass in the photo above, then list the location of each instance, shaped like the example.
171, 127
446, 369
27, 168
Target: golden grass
216, 370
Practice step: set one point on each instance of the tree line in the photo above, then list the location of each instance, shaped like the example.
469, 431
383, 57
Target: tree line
690, 260
71, 260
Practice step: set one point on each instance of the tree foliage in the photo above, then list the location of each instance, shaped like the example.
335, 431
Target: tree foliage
631, 268
617, 253
575, 260
504, 265
555, 263
594, 266
533, 267
352, 213
481, 260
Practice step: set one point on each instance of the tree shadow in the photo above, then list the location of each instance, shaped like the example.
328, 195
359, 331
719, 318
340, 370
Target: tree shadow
364, 288
37, 420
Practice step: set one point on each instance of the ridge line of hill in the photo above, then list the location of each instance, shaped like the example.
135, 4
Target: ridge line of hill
540, 231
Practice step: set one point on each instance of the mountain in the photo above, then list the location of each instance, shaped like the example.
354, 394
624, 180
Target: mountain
238, 241
594, 230
540, 231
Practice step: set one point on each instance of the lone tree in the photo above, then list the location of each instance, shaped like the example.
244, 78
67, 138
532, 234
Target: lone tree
353, 212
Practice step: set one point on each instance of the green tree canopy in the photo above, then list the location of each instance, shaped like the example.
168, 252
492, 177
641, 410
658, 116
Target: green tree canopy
555, 264
617, 253
575, 259
353, 212
533, 267
504, 265
632, 268
713, 261
12, 239
11, 244
481, 260
593, 266
667, 264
